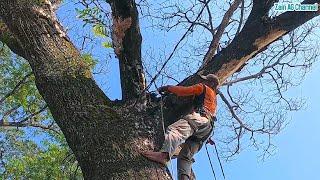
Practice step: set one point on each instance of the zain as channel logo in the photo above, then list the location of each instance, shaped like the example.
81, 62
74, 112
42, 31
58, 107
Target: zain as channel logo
295, 5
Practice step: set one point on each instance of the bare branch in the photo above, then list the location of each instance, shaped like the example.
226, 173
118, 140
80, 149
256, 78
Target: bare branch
253, 39
31, 124
220, 30
176, 46
27, 121
242, 125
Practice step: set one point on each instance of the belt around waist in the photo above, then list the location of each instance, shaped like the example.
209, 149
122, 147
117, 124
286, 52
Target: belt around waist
204, 113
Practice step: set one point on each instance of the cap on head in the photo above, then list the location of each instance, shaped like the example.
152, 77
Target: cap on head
212, 78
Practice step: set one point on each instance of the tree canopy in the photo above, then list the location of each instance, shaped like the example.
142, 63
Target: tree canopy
63, 64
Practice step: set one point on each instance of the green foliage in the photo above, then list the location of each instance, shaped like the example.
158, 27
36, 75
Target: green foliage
100, 31
107, 44
29, 153
94, 17
90, 15
45, 160
89, 60
13, 70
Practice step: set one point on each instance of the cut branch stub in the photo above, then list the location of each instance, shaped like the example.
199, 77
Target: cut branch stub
256, 35
127, 41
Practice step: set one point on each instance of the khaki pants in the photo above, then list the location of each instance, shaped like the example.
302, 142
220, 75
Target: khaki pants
192, 130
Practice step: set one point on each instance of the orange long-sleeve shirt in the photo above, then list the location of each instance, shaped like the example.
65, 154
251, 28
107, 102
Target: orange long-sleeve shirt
210, 100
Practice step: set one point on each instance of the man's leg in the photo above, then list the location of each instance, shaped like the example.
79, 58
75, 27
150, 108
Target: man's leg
185, 159
193, 145
176, 134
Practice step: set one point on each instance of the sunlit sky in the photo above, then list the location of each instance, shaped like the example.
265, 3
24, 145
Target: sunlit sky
296, 155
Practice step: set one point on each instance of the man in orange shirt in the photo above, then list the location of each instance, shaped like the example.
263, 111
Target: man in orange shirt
192, 129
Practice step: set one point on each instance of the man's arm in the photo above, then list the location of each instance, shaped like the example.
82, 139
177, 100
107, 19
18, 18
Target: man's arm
186, 91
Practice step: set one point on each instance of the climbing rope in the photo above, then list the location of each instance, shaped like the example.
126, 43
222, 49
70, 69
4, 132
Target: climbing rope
215, 147
214, 174
164, 133
211, 142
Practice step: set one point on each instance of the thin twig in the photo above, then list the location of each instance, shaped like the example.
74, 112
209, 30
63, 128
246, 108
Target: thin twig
23, 80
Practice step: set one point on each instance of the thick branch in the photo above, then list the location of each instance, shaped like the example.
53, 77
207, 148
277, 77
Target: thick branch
127, 40
262, 7
255, 36
8, 38
84, 114
63, 79
241, 17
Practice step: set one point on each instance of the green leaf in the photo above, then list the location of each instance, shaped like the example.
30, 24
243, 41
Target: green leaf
22, 97
89, 60
107, 44
100, 31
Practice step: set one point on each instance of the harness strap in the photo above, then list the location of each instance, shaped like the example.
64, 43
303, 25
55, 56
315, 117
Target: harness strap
192, 124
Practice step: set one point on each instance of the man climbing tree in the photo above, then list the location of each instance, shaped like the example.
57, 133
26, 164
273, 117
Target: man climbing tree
193, 129
106, 135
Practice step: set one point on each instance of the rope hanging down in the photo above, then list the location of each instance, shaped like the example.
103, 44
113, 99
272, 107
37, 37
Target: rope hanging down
164, 132
215, 147
211, 142
214, 174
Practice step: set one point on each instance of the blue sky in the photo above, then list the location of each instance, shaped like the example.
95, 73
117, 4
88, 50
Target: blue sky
297, 155
297, 145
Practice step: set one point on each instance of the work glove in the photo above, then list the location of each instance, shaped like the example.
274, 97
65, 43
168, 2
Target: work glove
163, 90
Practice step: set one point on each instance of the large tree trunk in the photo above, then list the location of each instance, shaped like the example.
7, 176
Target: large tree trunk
105, 137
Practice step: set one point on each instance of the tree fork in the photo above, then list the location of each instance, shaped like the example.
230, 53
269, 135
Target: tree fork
106, 139
257, 34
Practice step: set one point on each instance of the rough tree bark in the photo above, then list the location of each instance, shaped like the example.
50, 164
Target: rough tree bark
257, 34
106, 137
127, 40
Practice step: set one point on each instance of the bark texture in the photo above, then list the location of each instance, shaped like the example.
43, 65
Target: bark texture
127, 44
106, 137
257, 34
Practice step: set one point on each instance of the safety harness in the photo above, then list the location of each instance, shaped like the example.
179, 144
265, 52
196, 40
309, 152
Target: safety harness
198, 107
